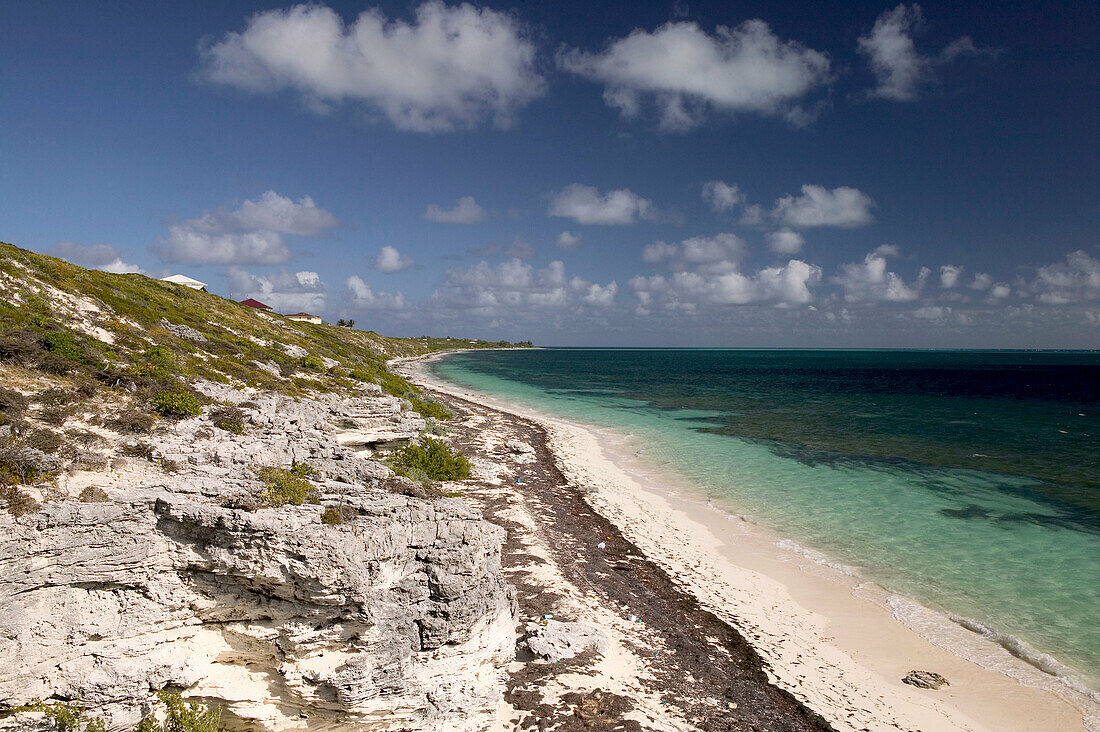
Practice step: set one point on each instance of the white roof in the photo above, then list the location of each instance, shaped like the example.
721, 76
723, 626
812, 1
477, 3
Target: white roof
184, 280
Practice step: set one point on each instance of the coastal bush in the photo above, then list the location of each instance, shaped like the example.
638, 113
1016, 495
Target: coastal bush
430, 408
51, 363
287, 485
19, 503
131, 421
311, 362
20, 465
396, 385
431, 427
93, 494
66, 717
176, 404
362, 374
182, 715
47, 441
19, 346
228, 418
64, 344
12, 402
157, 362
170, 466
334, 515
55, 416
434, 458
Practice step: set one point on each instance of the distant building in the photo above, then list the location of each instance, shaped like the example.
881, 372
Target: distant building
255, 304
186, 282
305, 318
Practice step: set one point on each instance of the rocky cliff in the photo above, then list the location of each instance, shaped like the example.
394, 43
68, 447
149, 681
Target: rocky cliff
140, 552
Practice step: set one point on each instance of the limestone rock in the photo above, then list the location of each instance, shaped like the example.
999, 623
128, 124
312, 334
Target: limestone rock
555, 640
925, 680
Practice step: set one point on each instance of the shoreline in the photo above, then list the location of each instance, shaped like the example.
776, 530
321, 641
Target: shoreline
836, 642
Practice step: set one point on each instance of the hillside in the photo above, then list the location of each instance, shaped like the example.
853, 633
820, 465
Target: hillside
70, 321
201, 498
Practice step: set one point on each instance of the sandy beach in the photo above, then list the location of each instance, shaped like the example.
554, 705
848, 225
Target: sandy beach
832, 641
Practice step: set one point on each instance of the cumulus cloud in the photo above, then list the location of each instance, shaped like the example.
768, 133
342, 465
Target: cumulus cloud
465, 211
252, 234
982, 281
845, 207
390, 260
786, 241
949, 276
283, 291
362, 296
721, 251
688, 290
1075, 280
871, 281
568, 240
103, 257
585, 205
515, 287
721, 196
686, 73
900, 70
452, 68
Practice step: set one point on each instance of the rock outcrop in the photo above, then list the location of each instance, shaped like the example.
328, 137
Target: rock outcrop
396, 618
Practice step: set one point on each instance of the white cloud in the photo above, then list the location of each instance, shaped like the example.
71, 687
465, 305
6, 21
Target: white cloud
283, 291
465, 211
718, 251
514, 287
1074, 281
870, 280
688, 290
585, 205
818, 206
253, 234
900, 70
949, 276
932, 312
103, 257
722, 197
786, 241
982, 281
568, 240
362, 296
390, 260
687, 73
1000, 291
451, 68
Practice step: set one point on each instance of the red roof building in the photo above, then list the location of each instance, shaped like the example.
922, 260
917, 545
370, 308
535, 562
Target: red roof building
255, 304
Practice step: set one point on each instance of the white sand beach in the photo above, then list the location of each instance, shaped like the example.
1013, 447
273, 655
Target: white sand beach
840, 644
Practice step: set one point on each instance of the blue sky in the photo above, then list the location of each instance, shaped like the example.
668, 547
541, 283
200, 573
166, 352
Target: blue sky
750, 174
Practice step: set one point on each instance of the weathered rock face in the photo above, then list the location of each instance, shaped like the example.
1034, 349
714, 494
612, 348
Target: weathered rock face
396, 619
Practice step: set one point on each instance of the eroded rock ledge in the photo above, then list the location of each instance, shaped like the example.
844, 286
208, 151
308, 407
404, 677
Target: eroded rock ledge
399, 618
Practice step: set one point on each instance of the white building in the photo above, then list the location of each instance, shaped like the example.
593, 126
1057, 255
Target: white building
305, 318
186, 282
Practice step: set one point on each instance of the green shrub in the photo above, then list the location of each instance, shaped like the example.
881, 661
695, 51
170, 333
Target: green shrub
287, 485
19, 503
361, 374
182, 715
396, 385
429, 408
176, 404
67, 717
434, 458
228, 418
65, 344
157, 362
137, 449
311, 362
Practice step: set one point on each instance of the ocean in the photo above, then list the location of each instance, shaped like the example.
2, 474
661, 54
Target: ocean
967, 480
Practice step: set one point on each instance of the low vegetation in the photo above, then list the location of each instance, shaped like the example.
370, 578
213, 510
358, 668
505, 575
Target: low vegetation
168, 403
287, 485
430, 460
180, 715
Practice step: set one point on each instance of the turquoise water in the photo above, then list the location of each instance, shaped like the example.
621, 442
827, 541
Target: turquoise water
967, 480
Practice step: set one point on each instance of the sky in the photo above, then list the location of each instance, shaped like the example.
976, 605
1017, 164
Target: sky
751, 174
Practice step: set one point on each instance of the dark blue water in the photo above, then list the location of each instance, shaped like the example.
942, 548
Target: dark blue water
969, 480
